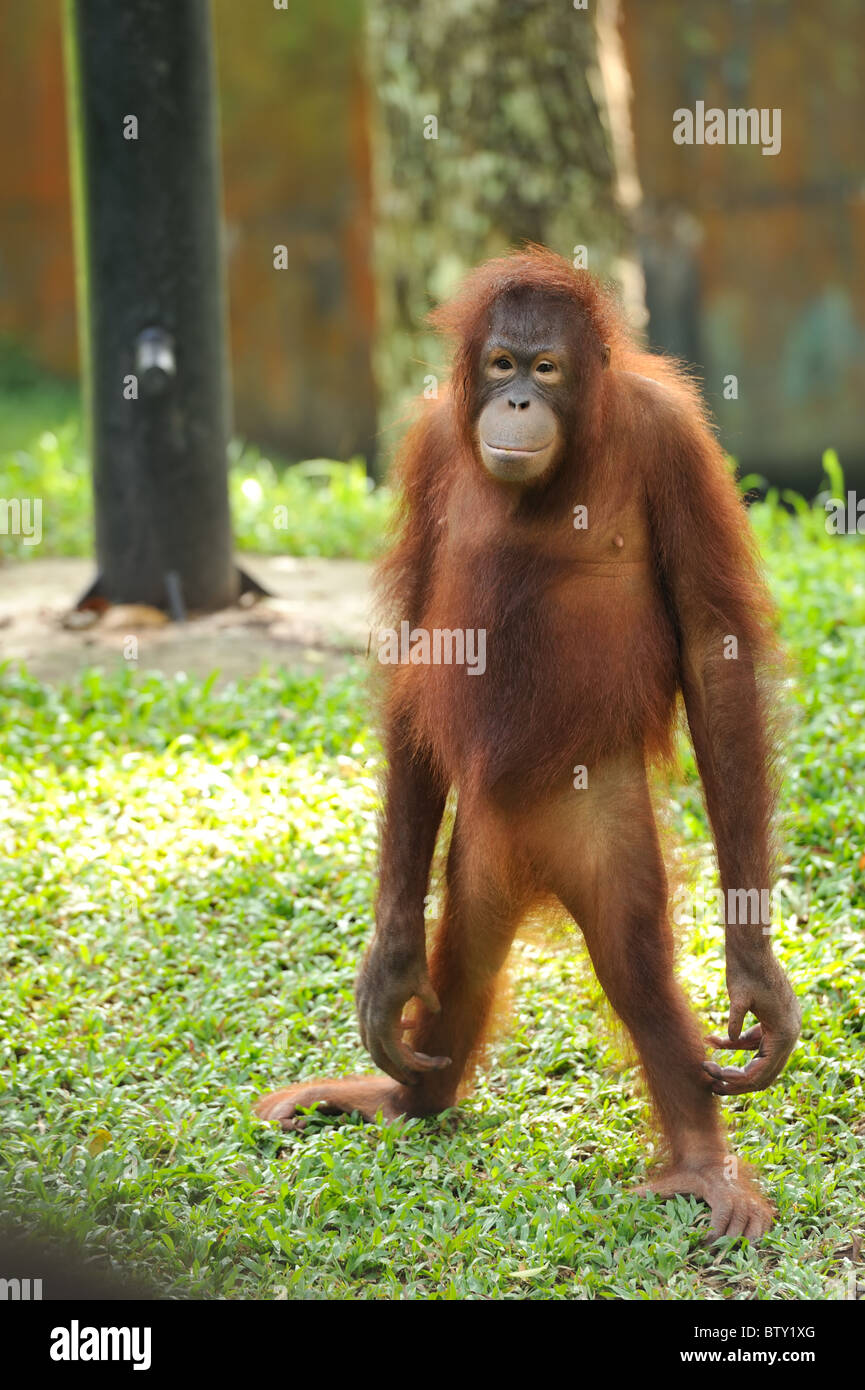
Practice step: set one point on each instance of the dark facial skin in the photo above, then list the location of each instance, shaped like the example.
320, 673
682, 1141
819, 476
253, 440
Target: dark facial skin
526, 377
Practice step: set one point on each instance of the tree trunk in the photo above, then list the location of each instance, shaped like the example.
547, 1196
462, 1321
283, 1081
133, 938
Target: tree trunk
151, 300
491, 131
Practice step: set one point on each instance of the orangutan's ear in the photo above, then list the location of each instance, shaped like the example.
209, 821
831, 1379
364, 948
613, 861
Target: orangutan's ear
605, 355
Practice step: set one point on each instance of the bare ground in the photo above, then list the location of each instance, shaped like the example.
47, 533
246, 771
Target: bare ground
316, 620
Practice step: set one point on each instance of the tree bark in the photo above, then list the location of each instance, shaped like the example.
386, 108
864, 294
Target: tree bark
151, 299
520, 149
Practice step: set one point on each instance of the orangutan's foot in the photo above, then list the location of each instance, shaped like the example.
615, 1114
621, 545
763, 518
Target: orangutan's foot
368, 1095
738, 1209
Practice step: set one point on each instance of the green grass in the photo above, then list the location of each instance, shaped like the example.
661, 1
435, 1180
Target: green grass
315, 508
186, 882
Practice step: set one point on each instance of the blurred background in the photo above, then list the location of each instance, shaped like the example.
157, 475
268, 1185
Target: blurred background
549, 127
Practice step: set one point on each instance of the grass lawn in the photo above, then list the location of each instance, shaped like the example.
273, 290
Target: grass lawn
186, 880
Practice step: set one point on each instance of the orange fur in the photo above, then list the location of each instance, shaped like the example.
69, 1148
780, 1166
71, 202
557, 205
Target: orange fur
592, 633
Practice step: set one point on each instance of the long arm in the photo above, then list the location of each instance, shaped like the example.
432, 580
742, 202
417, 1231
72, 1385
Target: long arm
395, 967
723, 617
414, 805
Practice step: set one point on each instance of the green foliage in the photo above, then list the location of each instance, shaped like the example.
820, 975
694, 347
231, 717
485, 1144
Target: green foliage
30, 401
186, 884
55, 468
315, 508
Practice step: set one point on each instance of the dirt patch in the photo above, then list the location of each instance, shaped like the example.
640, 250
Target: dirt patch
316, 620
